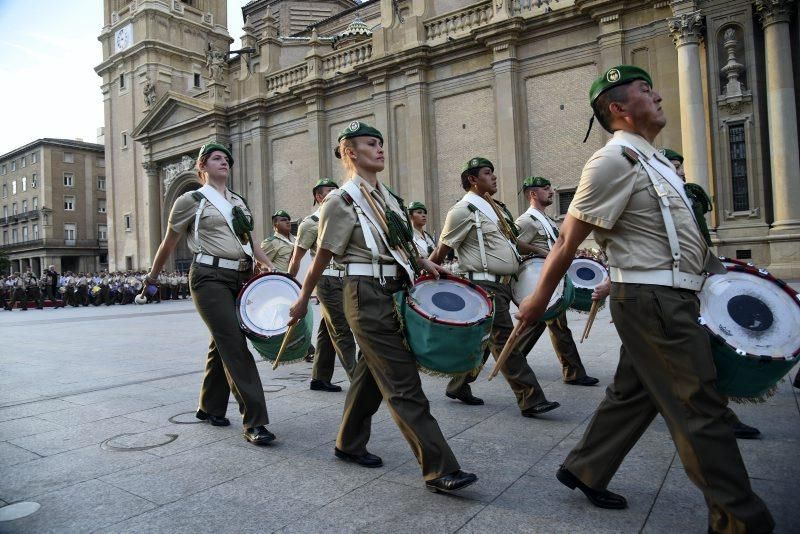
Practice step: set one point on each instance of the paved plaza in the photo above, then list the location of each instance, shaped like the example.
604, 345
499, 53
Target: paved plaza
97, 427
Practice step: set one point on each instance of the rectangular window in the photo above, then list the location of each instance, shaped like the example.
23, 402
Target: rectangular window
101, 205
69, 157
14, 235
196, 80
738, 152
122, 81
14, 187
34, 157
24, 183
69, 179
102, 232
3, 169
24, 205
34, 180
5, 211
14, 165
127, 219
69, 233
36, 231
101, 183
5, 237
565, 197
101, 162
124, 139
5, 190
24, 162
14, 208
69, 203
24, 233
35, 203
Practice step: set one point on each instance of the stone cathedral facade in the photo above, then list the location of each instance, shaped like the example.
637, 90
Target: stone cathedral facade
445, 80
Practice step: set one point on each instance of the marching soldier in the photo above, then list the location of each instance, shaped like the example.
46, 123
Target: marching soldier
486, 246
540, 231
334, 335
631, 197
424, 241
279, 246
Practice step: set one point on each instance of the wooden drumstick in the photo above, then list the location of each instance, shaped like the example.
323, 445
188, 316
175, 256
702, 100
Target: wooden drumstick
592, 314
283, 345
519, 328
381, 218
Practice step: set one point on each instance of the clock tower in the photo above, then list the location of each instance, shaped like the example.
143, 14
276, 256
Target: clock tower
153, 51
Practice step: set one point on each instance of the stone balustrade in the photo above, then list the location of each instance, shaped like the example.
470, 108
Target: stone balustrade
346, 58
458, 22
287, 78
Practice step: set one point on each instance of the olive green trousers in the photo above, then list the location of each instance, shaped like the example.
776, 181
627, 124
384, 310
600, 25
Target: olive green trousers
666, 367
334, 335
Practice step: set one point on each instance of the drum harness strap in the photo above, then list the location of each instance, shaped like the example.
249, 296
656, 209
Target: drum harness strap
219, 202
680, 279
481, 244
373, 246
548, 228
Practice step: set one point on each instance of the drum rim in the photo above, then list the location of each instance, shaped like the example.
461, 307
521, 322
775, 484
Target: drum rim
531, 257
424, 278
242, 291
739, 266
593, 260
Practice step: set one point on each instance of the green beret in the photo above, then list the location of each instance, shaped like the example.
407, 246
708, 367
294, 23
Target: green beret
211, 147
325, 182
619, 75
281, 213
357, 129
417, 206
671, 154
476, 163
535, 181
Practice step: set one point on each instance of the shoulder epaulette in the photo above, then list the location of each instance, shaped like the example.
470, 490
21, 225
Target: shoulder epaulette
347, 198
240, 197
270, 238
630, 154
314, 218
198, 196
472, 208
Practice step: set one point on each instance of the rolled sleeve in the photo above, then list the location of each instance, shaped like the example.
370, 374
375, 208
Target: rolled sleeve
336, 222
456, 226
182, 213
307, 234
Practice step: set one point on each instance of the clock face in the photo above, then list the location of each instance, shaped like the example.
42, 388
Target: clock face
123, 38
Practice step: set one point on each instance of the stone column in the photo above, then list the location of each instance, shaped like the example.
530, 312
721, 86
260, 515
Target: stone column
418, 162
687, 31
781, 114
317, 126
152, 236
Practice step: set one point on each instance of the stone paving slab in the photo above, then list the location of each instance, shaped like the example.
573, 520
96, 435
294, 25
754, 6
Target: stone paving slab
100, 431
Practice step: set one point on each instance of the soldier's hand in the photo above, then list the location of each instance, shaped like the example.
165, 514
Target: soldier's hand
602, 290
530, 309
431, 267
298, 311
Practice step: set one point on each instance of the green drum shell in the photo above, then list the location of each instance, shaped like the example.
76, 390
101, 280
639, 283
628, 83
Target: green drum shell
296, 348
583, 300
746, 376
443, 348
561, 306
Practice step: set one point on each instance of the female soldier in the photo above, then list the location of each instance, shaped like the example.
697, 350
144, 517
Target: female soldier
373, 272
217, 224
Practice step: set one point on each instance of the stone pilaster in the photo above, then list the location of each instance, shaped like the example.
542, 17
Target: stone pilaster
781, 114
687, 32
418, 135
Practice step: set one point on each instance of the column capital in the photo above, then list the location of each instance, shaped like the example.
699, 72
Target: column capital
686, 28
150, 168
773, 11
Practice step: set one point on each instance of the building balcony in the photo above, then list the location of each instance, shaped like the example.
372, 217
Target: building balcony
30, 243
30, 215
51, 242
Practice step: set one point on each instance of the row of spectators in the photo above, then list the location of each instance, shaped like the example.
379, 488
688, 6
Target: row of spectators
52, 289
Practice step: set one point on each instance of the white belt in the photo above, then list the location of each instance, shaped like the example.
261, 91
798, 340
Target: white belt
338, 273
489, 277
365, 269
213, 261
659, 277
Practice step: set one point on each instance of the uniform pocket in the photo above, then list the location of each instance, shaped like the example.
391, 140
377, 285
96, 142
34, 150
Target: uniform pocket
199, 275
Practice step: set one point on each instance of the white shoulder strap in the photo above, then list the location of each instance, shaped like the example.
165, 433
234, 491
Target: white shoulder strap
481, 246
197, 225
370, 239
546, 226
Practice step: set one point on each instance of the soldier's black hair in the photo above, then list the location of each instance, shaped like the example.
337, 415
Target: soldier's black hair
601, 111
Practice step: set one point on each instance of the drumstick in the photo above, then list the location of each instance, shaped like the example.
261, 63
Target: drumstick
504, 226
381, 218
592, 314
283, 346
519, 328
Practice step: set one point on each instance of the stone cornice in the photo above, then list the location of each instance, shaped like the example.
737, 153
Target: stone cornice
773, 11
687, 28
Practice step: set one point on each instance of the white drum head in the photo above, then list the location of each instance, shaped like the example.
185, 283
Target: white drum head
586, 273
527, 277
264, 305
450, 301
752, 314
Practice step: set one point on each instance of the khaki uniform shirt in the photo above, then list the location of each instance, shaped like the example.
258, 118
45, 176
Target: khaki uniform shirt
460, 234
532, 232
215, 236
279, 250
616, 196
340, 232
307, 234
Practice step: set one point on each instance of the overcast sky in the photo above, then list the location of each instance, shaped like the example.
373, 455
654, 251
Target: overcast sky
49, 52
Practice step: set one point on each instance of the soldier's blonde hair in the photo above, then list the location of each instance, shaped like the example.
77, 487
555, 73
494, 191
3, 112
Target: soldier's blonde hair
347, 162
